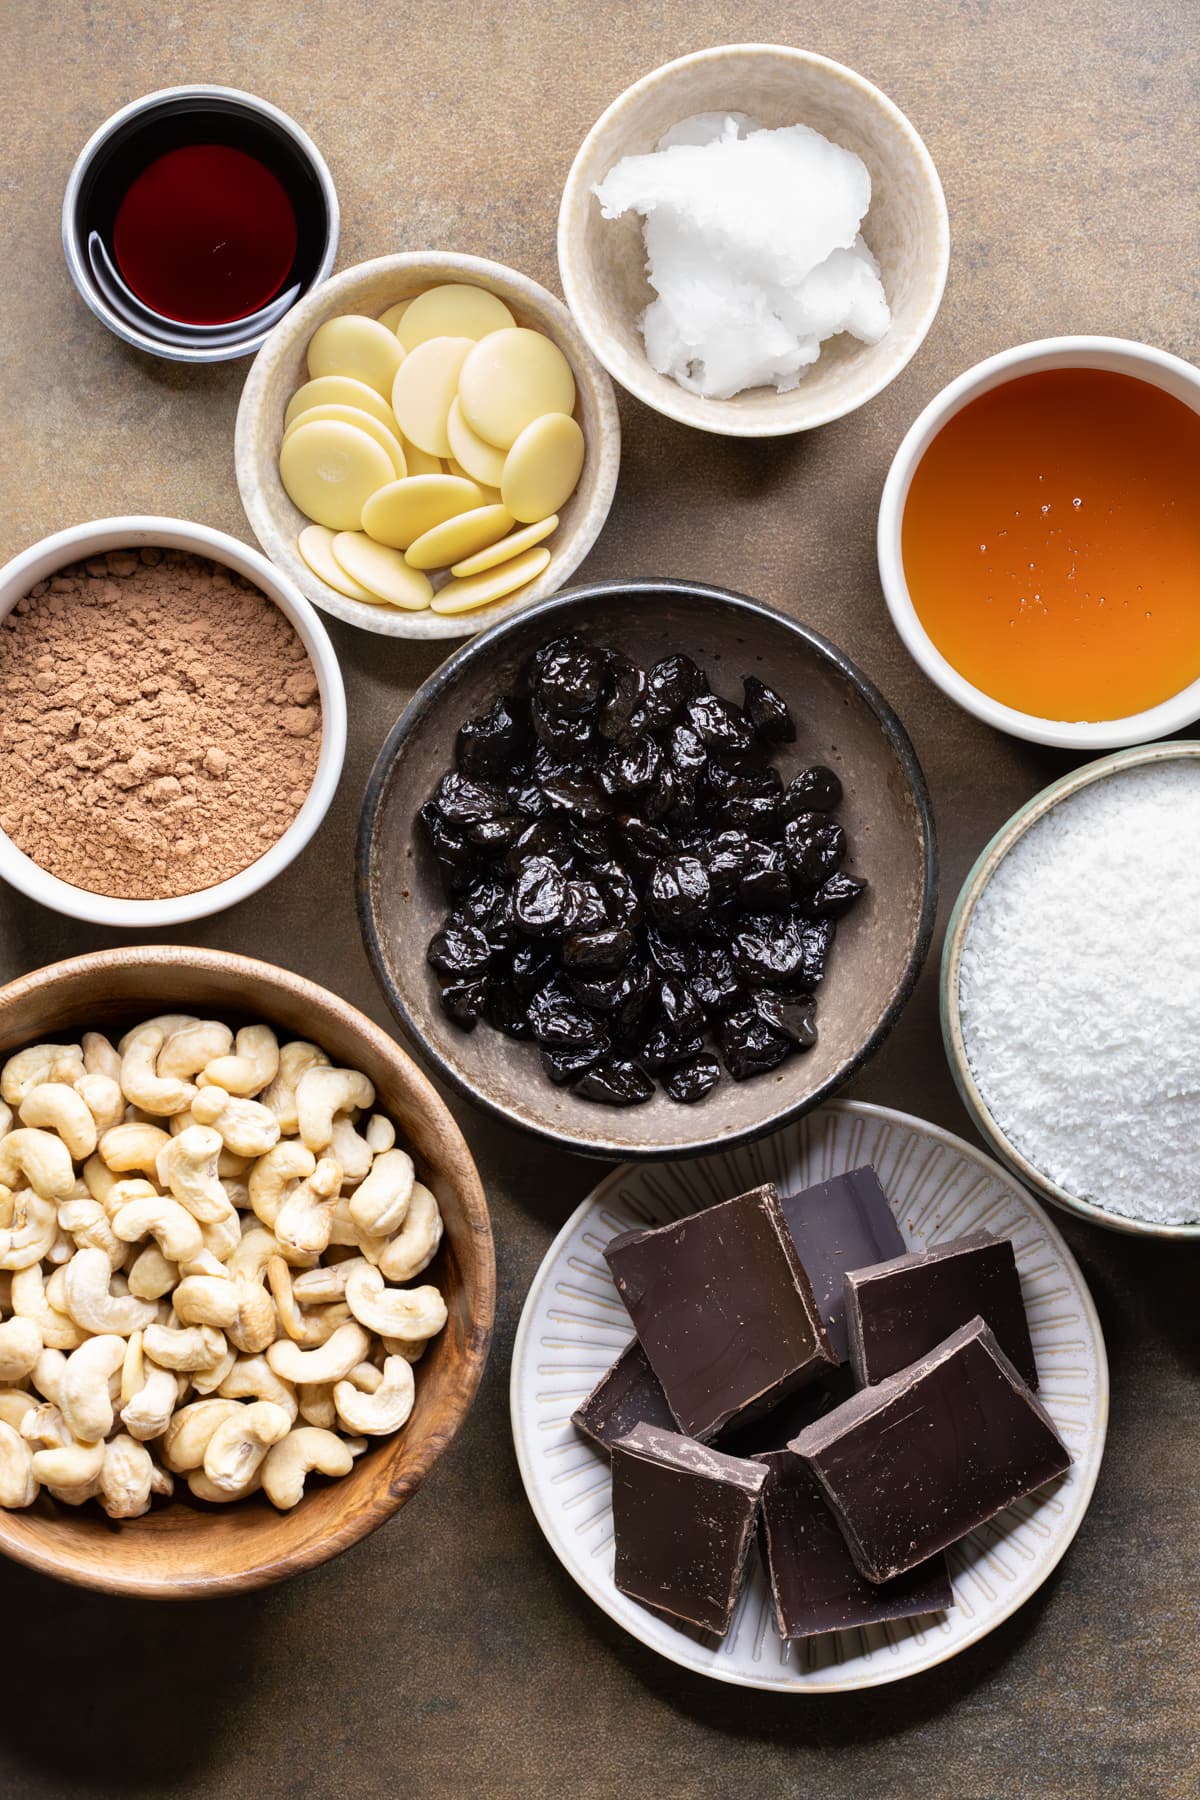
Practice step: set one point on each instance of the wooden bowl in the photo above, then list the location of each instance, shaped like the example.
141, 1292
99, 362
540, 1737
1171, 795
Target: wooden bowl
371, 287
842, 721
602, 262
182, 1550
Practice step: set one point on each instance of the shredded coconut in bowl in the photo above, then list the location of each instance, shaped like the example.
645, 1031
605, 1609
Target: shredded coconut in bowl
1079, 993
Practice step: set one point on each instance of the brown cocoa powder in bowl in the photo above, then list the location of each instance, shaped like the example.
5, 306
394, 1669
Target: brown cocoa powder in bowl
159, 724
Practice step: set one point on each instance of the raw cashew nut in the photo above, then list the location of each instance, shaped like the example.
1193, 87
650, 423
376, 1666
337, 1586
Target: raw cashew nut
45, 1427
304, 1450
42, 1158
132, 1146
167, 1023
141, 1083
316, 1404
305, 1218
253, 1067
208, 1381
387, 1409
58, 1331
148, 1414
31, 1231
309, 1331
322, 1093
238, 1446
189, 1169
186, 1052
272, 1175
415, 1244
99, 1057
99, 1180
52, 1106
187, 1436
313, 1287
380, 1133
72, 1466
172, 1226
201, 1488
335, 1358
88, 1224
253, 1378
410, 1313
380, 1204
47, 1377
249, 1261
17, 1484
6, 1117
126, 1478
223, 1238
15, 1403
187, 1348
351, 1151
295, 1060
20, 1347
151, 1274
41, 1062
84, 1400
245, 1127
90, 1303
206, 1300
103, 1098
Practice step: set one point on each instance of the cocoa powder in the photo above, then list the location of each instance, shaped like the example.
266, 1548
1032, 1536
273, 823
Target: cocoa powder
159, 724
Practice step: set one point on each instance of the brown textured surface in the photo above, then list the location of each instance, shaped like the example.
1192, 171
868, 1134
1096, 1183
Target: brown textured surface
448, 1654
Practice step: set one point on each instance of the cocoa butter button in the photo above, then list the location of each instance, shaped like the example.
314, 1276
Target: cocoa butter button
509, 379
420, 462
542, 469
315, 545
339, 390
383, 572
388, 441
460, 536
356, 346
464, 595
506, 548
423, 391
398, 514
455, 309
491, 495
474, 455
392, 317
330, 470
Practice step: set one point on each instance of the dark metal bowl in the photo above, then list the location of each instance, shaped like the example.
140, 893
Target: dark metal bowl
842, 720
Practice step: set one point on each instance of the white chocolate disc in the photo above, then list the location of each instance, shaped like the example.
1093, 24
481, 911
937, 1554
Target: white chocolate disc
510, 379
339, 390
459, 596
315, 545
508, 547
330, 470
353, 415
392, 317
356, 346
542, 469
460, 536
424, 390
453, 310
473, 454
382, 572
421, 463
398, 514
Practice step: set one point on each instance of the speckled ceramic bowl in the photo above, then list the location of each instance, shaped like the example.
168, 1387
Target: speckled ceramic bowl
602, 262
956, 933
842, 721
371, 287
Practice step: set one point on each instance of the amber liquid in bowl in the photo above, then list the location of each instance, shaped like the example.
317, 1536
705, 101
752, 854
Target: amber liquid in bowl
1051, 544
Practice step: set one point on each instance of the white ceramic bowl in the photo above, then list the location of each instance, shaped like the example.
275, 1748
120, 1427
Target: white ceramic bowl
1120, 355
602, 261
370, 288
80, 541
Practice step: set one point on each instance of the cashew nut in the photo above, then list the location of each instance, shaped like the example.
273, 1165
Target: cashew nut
308, 1330
52, 1106
126, 1478
238, 1446
313, 1287
126, 1147
148, 1414
187, 1436
333, 1360
84, 1399
253, 1378
189, 1169
250, 1259
71, 1466
316, 1404
99, 1057
18, 1487
387, 1409
41, 1062
151, 1274
295, 1059
172, 1226
88, 1224
380, 1133
15, 1403
45, 1427
47, 1376
208, 1381
320, 1094
201, 1488
167, 1023
303, 1451
90, 1303
272, 1175
20, 1348
185, 1348
141, 1083
245, 1127
206, 1300
352, 1151
42, 1158
99, 1180
58, 1331
253, 1067
415, 1244
305, 1217
410, 1313
189, 1050
379, 1206
103, 1098
32, 1229
6, 1117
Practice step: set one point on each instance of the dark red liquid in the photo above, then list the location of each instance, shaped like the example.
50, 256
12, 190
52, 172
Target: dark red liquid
205, 234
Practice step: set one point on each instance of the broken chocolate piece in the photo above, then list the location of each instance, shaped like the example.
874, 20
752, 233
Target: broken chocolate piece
629, 1394
843, 1224
683, 1518
812, 1577
912, 1464
723, 1309
774, 1430
901, 1309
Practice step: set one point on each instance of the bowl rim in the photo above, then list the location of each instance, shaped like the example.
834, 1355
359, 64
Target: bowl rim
1072, 351
980, 874
388, 1497
77, 265
385, 621
709, 418
74, 543
555, 613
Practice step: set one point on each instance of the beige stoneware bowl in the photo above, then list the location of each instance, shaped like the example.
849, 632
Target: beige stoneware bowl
602, 261
370, 288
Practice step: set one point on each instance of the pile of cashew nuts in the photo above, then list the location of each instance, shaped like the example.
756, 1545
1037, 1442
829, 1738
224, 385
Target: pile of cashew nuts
202, 1245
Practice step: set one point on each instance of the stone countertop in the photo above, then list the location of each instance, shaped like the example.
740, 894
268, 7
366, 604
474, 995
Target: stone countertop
449, 1654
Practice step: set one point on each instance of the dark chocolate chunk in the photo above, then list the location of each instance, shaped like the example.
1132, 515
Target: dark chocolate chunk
775, 1430
911, 1465
628, 1394
814, 1583
683, 1519
838, 1225
901, 1309
723, 1309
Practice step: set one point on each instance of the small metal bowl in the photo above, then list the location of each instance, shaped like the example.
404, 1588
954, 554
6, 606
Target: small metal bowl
842, 720
136, 324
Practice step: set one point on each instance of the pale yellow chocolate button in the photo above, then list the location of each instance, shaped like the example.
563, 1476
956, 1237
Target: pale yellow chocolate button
510, 379
480, 460
542, 469
330, 471
454, 310
421, 463
423, 391
464, 595
392, 317
382, 572
315, 545
403, 511
353, 415
339, 390
461, 536
359, 347
491, 495
508, 547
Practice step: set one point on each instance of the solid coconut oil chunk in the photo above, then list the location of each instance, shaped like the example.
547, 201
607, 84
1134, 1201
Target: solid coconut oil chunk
315, 545
387, 440
330, 470
509, 379
461, 536
474, 455
459, 596
543, 467
506, 548
453, 310
424, 390
356, 346
382, 571
401, 512
339, 390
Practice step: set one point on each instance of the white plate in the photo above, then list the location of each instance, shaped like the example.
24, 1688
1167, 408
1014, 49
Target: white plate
573, 1326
